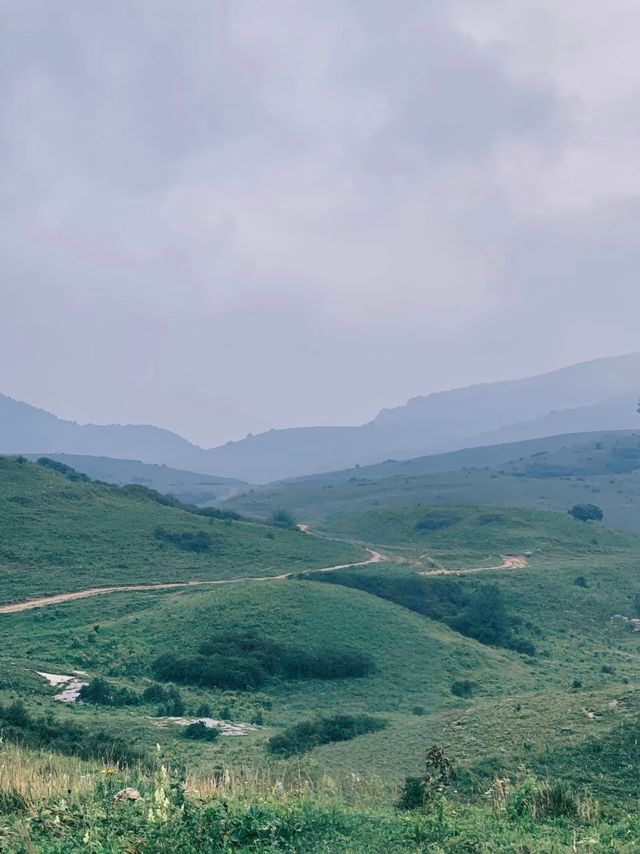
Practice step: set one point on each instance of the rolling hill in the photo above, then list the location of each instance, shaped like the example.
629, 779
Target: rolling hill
551, 474
187, 486
61, 535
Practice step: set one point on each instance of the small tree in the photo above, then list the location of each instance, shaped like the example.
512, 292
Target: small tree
283, 519
586, 513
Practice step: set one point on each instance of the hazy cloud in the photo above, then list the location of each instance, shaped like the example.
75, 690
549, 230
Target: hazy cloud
226, 216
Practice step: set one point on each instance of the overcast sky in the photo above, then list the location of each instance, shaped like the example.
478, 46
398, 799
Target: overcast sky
221, 217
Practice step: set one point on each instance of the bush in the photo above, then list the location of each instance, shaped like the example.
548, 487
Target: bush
581, 581
437, 520
305, 736
199, 731
283, 519
64, 470
245, 661
586, 513
188, 541
463, 688
18, 726
543, 800
103, 693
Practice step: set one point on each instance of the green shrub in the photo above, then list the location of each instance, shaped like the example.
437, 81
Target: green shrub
437, 520
541, 800
103, 693
246, 661
305, 736
463, 688
187, 541
283, 519
199, 731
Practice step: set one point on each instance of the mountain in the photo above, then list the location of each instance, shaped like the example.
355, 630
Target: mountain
26, 429
597, 395
592, 396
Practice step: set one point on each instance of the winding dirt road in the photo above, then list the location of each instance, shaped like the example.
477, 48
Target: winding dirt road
59, 598
508, 562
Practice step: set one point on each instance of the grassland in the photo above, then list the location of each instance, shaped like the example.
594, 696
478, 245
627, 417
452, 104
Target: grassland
187, 486
602, 470
567, 710
61, 536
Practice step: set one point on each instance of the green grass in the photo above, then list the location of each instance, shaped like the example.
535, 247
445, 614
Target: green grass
467, 533
75, 812
599, 469
61, 536
187, 486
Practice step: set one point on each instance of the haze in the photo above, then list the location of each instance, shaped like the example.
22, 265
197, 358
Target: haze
221, 217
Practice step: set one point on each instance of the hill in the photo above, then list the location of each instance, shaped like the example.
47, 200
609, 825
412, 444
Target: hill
187, 486
525, 674
61, 534
552, 474
598, 395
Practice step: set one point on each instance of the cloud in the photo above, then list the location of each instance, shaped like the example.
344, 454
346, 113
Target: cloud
224, 216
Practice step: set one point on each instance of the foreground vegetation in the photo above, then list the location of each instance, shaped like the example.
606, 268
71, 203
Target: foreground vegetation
57, 806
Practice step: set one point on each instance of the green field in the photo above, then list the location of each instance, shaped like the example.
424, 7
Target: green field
526, 674
596, 468
60, 535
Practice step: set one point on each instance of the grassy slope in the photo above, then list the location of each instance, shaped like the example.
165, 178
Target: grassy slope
416, 660
479, 532
599, 469
60, 536
187, 486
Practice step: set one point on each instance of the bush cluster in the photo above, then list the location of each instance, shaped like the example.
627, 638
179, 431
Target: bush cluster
305, 736
245, 661
67, 737
188, 541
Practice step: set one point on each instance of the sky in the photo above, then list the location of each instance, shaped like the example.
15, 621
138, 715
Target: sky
225, 216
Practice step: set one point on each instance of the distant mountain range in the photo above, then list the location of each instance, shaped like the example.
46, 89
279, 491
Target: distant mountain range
592, 396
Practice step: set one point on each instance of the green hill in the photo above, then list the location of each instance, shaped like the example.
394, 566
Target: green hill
479, 531
187, 486
597, 468
61, 535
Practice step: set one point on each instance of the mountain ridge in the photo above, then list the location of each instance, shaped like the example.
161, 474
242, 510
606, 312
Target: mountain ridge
600, 394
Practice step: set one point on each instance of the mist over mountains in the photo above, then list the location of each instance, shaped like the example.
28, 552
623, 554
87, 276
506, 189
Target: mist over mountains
596, 395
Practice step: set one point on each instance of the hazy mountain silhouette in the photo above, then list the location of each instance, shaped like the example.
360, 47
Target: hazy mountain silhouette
596, 395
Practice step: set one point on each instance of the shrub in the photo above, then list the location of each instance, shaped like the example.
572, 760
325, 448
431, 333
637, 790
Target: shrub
437, 520
421, 791
541, 800
103, 693
305, 736
20, 727
283, 519
245, 661
199, 731
64, 470
581, 581
586, 513
463, 688
188, 541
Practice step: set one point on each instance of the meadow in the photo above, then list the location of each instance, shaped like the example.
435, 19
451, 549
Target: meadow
339, 682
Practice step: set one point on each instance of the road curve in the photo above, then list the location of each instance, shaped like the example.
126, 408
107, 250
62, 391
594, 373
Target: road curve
60, 598
508, 562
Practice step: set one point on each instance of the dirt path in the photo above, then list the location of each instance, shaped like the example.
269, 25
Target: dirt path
59, 598
508, 562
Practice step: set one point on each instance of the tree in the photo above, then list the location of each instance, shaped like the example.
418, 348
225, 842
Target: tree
283, 519
586, 513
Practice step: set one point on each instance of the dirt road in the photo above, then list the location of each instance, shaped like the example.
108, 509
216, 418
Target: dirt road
508, 562
59, 598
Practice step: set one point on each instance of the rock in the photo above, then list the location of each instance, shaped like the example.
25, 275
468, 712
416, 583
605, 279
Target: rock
127, 794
